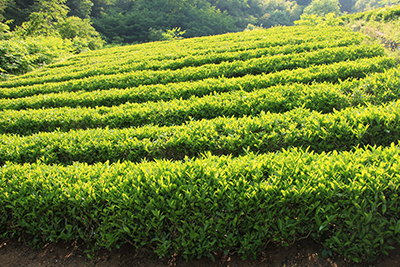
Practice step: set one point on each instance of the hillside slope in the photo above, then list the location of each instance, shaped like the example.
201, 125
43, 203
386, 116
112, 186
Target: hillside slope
215, 144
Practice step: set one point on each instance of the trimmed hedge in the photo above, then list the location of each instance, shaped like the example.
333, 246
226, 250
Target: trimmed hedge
347, 201
160, 51
228, 69
324, 73
130, 64
341, 131
324, 97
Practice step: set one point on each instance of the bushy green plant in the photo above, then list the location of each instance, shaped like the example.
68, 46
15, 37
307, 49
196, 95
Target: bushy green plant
223, 51
19, 55
82, 34
47, 35
329, 19
23, 50
323, 7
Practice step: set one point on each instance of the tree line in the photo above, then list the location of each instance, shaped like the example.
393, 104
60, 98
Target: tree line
132, 21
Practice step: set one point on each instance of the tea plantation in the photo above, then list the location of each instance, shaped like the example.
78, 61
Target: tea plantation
214, 144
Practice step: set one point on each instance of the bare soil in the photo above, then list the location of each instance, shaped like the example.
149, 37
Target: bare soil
303, 253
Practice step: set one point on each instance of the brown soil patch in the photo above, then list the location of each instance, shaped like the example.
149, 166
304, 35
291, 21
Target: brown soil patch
304, 253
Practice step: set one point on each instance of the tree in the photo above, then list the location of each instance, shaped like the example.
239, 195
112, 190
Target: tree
3, 26
79, 8
48, 13
346, 5
76, 27
3, 5
243, 12
17, 11
279, 12
329, 19
322, 7
147, 20
81, 32
100, 6
364, 5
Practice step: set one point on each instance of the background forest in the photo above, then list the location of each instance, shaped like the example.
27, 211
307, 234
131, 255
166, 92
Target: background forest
131, 21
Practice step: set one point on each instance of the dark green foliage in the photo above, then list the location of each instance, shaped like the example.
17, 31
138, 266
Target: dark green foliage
3, 5
79, 8
18, 11
127, 25
346, 6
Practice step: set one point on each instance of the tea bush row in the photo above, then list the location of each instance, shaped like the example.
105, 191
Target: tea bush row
347, 201
330, 73
228, 69
385, 14
323, 97
127, 65
268, 132
320, 97
235, 42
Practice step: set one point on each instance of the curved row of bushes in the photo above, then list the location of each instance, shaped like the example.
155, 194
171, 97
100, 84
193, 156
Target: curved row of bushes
153, 92
322, 97
126, 64
347, 201
232, 42
341, 131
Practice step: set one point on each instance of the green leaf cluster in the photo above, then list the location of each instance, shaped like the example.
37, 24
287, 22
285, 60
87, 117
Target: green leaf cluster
20, 55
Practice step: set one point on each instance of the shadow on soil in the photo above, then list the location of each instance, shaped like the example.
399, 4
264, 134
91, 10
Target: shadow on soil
303, 253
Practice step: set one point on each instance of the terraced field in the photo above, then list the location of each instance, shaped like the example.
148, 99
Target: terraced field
214, 144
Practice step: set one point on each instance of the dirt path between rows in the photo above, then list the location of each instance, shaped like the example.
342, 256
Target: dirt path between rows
304, 253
